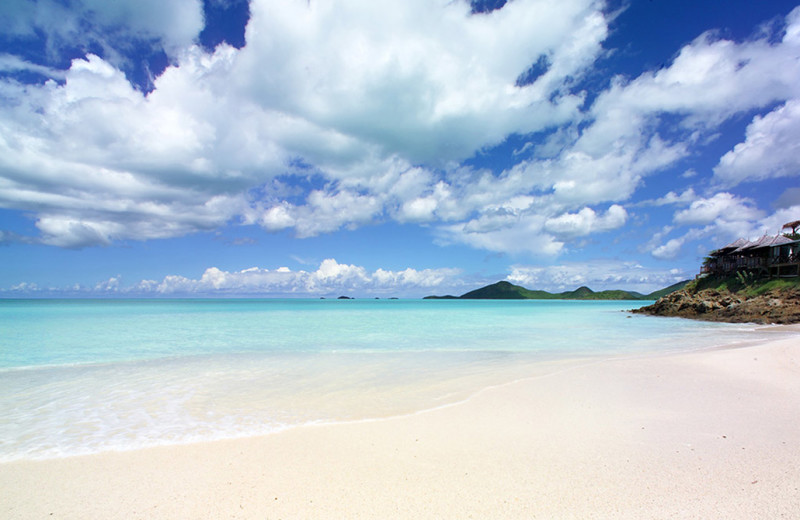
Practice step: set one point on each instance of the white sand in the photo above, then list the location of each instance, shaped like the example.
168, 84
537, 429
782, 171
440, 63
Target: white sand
712, 434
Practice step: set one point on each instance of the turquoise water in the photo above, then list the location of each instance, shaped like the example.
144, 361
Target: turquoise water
81, 376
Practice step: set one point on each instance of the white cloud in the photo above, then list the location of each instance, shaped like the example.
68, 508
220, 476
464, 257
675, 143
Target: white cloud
669, 250
112, 285
771, 148
83, 23
427, 278
672, 198
332, 278
329, 278
532, 226
324, 212
427, 81
586, 222
420, 209
773, 223
710, 80
278, 217
596, 274
24, 288
112, 164
522, 236
11, 63
416, 82
513, 226
724, 207
718, 220
381, 102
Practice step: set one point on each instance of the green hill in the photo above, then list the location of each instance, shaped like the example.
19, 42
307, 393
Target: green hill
665, 291
508, 291
505, 291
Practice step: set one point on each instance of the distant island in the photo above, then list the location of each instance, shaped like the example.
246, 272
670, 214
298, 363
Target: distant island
507, 291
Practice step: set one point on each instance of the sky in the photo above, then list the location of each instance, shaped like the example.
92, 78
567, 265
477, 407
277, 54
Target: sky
308, 148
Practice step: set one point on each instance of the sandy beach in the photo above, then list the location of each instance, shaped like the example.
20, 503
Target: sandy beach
712, 434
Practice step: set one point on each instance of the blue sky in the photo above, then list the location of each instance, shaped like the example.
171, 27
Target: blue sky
316, 148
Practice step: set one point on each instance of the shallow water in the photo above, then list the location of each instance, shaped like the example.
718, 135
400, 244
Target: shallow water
81, 376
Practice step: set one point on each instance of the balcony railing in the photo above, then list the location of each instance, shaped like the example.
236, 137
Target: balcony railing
785, 259
731, 264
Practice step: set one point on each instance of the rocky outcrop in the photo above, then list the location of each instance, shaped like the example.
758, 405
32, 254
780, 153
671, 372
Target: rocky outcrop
775, 306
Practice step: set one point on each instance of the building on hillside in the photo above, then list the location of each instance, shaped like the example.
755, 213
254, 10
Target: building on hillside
773, 256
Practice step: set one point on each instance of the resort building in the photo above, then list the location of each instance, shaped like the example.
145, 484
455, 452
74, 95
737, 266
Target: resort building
773, 256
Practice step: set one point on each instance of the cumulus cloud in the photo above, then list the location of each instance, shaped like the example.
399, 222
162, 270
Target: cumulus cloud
672, 198
522, 236
722, 217
641, 126
771, 148
721, 207
329, 278
586, 222
382, 109
772, 224
112, 285
23, 288
112, 164
428, 81
531, 225
719, 220
709, 81
99, 161
324, 212
668, 250
596, 274
172, 25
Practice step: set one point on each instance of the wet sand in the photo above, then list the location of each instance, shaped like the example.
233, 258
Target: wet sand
712, 434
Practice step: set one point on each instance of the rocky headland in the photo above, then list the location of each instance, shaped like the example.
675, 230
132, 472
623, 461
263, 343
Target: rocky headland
779, 305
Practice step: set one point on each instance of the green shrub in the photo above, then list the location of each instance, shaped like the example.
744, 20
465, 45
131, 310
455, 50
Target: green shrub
748, 284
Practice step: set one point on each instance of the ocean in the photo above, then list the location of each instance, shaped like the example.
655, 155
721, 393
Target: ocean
85, 376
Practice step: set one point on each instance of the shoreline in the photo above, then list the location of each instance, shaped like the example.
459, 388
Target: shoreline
458, 388
707, 433
778, 306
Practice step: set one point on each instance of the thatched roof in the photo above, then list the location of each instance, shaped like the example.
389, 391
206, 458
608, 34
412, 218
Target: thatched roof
742, 244
739, 242
771, 241
792, 225
764, 241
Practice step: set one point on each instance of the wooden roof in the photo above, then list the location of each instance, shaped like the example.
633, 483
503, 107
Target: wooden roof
736, 244
764, 241
742, 244
772, 241
792, 225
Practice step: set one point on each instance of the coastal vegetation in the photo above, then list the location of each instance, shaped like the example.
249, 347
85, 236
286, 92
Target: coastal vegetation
743, 282
739, 298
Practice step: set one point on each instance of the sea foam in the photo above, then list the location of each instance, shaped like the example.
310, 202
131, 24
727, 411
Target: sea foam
81, 376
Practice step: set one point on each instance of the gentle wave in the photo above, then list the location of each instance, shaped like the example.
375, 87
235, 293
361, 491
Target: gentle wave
83, 377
